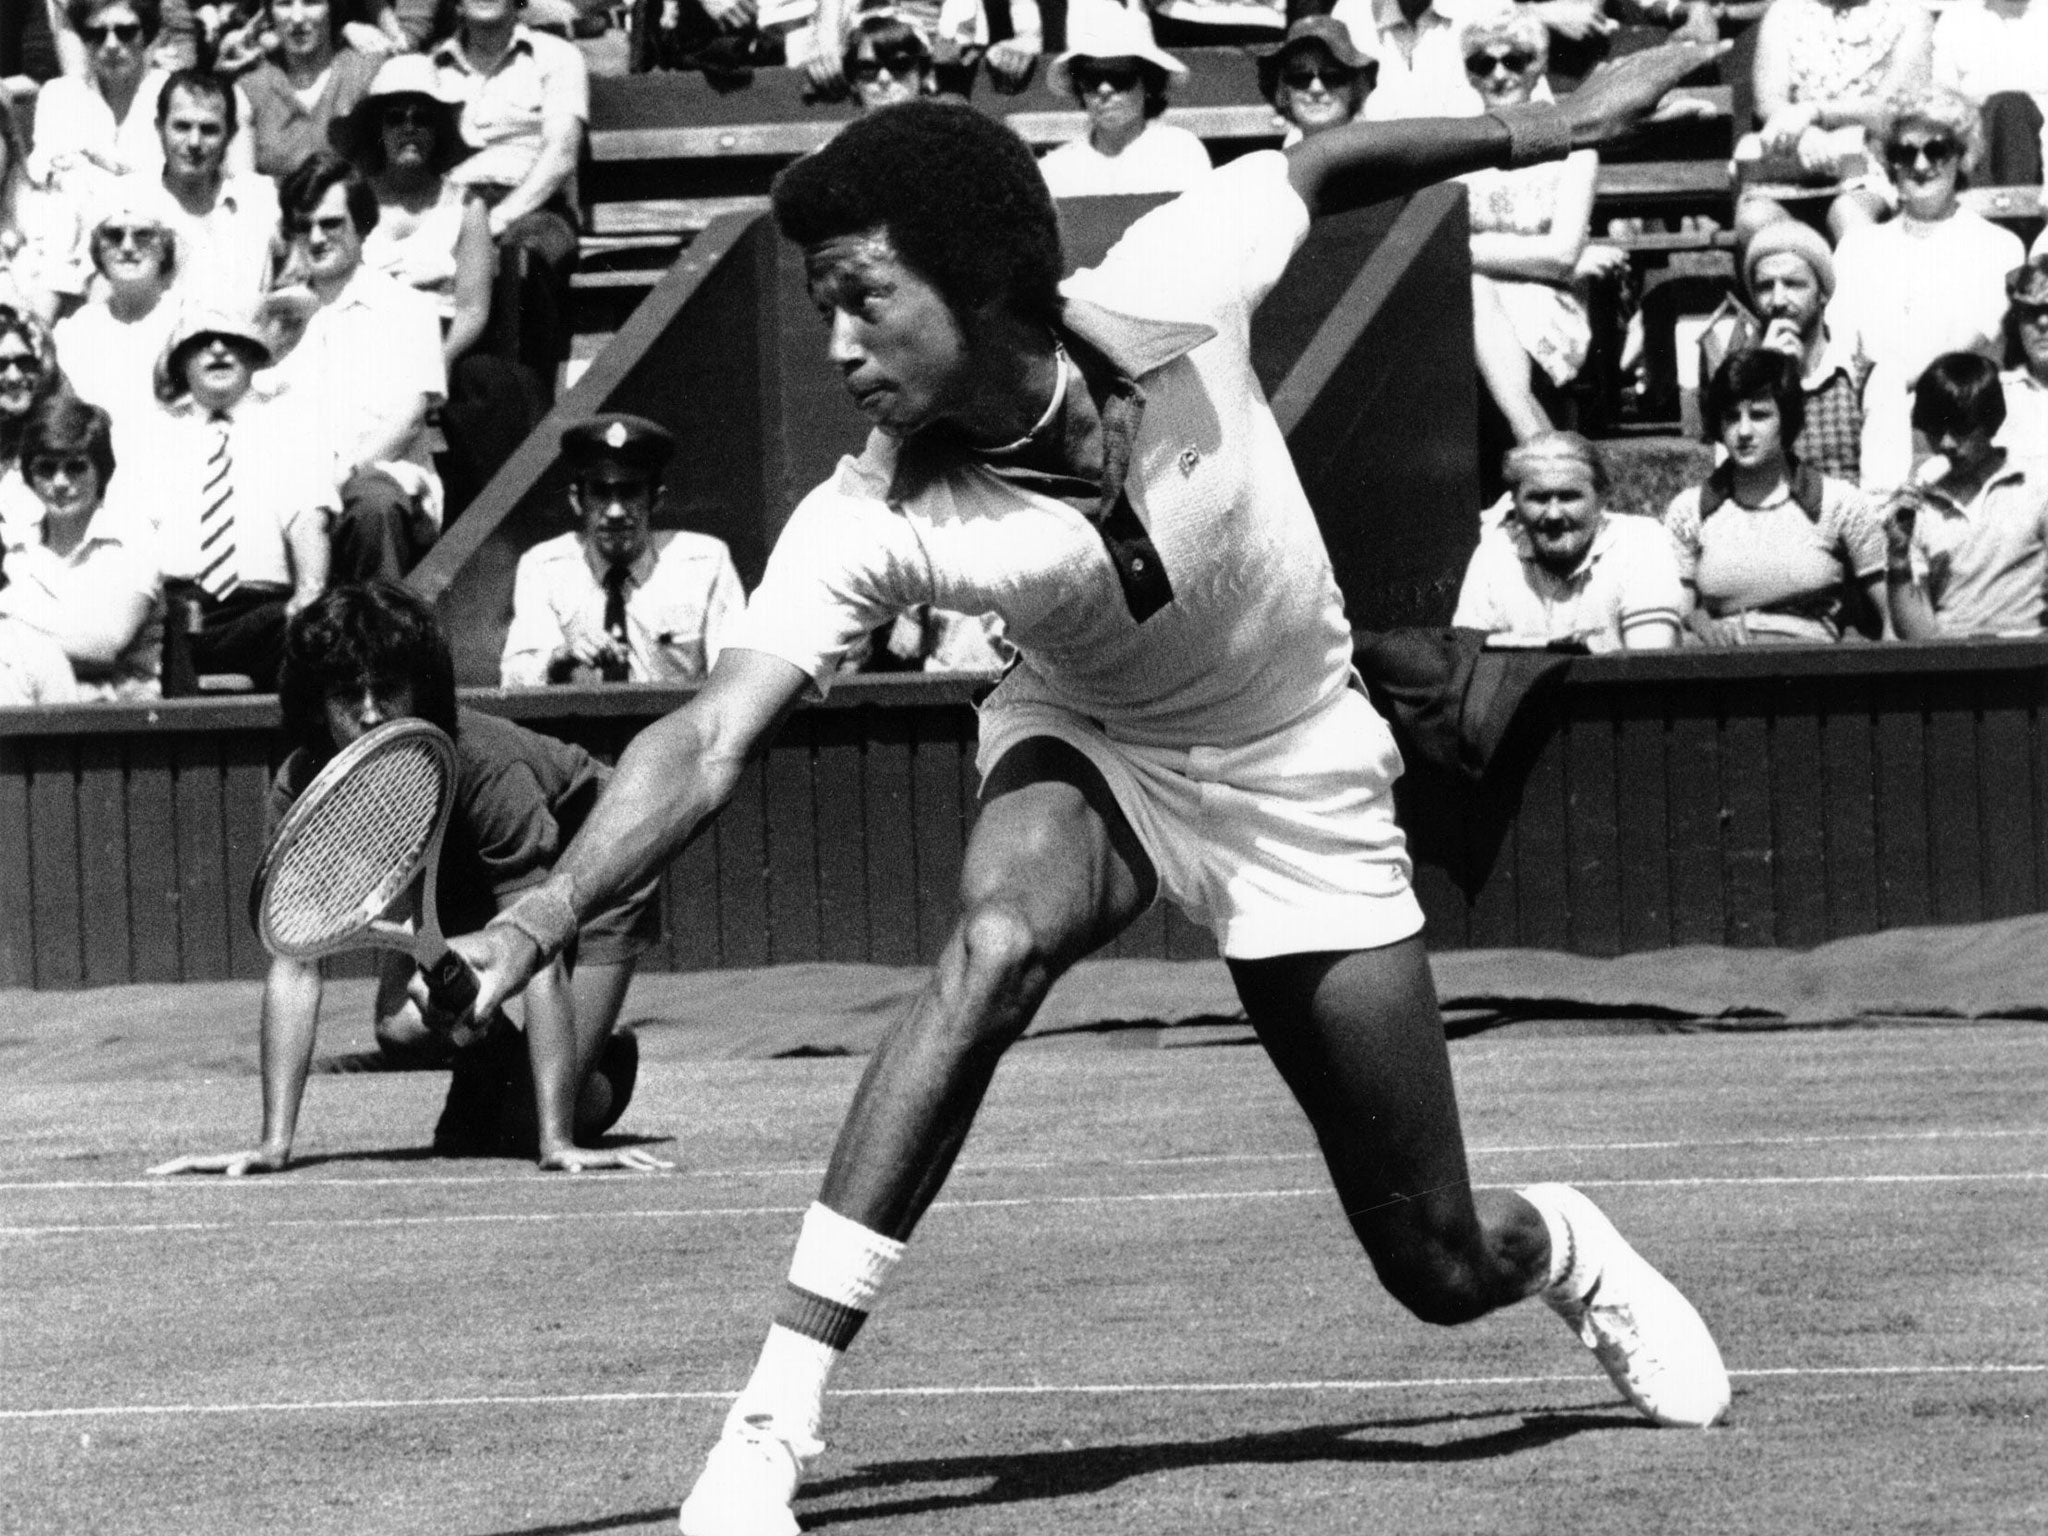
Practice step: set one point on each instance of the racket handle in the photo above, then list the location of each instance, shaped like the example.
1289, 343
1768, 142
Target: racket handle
451, 986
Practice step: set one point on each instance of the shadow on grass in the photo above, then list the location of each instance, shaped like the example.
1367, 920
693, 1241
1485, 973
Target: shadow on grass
1023, 1477
1026, 1476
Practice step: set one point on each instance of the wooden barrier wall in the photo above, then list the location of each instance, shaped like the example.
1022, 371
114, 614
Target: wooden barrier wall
1776, 797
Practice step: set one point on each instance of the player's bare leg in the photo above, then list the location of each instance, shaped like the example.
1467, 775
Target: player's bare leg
1052, 872
1359, 1040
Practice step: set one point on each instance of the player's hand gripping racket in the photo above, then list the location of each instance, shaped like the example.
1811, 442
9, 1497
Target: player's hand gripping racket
347, 856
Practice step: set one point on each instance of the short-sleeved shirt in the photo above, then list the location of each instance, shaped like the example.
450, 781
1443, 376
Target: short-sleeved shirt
681, 597
73, 599
224, 254
378, 341
1421, 62
519, 799
2024, 433
1984, 562
1629, 576
503, 112
1781, 570
1249, 635
112, 363
1163, 158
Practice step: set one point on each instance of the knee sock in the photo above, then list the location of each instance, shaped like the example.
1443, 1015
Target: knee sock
1573, 1267
834, 1278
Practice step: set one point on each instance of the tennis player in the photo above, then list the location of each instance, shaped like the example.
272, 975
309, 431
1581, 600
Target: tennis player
357, 657
1095, 463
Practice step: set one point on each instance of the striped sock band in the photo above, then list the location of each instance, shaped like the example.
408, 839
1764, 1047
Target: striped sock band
834, 1279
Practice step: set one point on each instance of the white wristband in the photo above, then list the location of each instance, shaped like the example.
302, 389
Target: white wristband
545, 915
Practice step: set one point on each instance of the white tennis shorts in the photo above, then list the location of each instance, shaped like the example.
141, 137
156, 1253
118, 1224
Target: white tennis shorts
1287, 845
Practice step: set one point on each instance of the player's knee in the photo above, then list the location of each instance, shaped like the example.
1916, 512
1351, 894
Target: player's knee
1002, 949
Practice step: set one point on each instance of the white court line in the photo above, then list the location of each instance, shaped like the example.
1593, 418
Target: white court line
1026, 1389
513, 1218
998, 1165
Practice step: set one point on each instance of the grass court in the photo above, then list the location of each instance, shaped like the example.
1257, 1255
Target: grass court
1136, 1309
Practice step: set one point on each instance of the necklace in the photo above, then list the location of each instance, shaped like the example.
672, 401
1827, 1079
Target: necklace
1052, 410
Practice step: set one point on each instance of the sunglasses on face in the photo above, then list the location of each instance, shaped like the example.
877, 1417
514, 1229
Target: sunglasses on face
126, 33
2030, 314
867, 71
1483, 63
1939, 152
409, 114
72, 469
1303, 77
21, 363
1116, 79
142, 235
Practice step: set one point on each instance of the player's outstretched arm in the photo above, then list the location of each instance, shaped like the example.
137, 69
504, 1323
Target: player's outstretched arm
291, 1013
671, 779
560, 1054
1368, 162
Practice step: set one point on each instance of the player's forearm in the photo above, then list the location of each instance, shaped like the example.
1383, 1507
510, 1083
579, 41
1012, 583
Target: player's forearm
291, 1013
1369, 162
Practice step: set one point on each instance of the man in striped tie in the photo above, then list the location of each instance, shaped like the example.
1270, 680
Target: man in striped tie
242, 511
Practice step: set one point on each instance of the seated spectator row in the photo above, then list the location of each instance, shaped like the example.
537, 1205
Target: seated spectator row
1771, 549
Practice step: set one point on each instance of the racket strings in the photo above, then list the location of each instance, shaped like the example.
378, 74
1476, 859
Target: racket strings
357, 849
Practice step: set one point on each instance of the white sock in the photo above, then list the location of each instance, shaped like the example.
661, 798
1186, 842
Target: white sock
1573, 1269
834, 1278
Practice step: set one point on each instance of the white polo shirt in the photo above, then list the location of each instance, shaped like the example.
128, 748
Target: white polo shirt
1984, 562
1254, 636
681, 598
504, 112
1629, 576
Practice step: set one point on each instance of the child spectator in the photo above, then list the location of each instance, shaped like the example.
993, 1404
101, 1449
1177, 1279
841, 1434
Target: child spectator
84, 575
1316, 79
1824, 72
1118, 76
614, 601
241, 502
1967, 540
1563, 571
362, 656
1769, 549
1930, 281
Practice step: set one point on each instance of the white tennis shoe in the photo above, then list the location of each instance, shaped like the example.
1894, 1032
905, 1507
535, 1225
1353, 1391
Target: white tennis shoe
1647, 1336
746, 1486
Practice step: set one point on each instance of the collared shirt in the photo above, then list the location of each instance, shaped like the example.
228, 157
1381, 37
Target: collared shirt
1831, 440
1984, 562
375, 344
112, 363
73, 120
681, 597
224, 253
505, 112
1253, 637
83, 600
282, 127
278, 477
2024, 434
1780, 571
1422, 62
1163, 158
1628, 577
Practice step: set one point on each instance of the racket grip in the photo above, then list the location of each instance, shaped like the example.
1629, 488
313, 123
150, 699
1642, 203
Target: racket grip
451, 986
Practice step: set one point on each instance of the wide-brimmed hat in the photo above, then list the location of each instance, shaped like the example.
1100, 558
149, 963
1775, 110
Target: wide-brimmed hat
194, 325
1327, 31
357, 136
2029, 284
1108, 31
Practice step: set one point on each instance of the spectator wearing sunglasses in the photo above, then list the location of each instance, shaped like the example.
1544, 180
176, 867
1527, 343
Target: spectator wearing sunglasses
28, 376
1529, 250
110, 346
1930, 281
1316, 79
102, 123
2025, 380
958, 36
886, 61
85, 573
1119, 76
1824, 72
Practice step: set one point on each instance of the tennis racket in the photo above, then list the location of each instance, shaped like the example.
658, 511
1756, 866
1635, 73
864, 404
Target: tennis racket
349, 851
